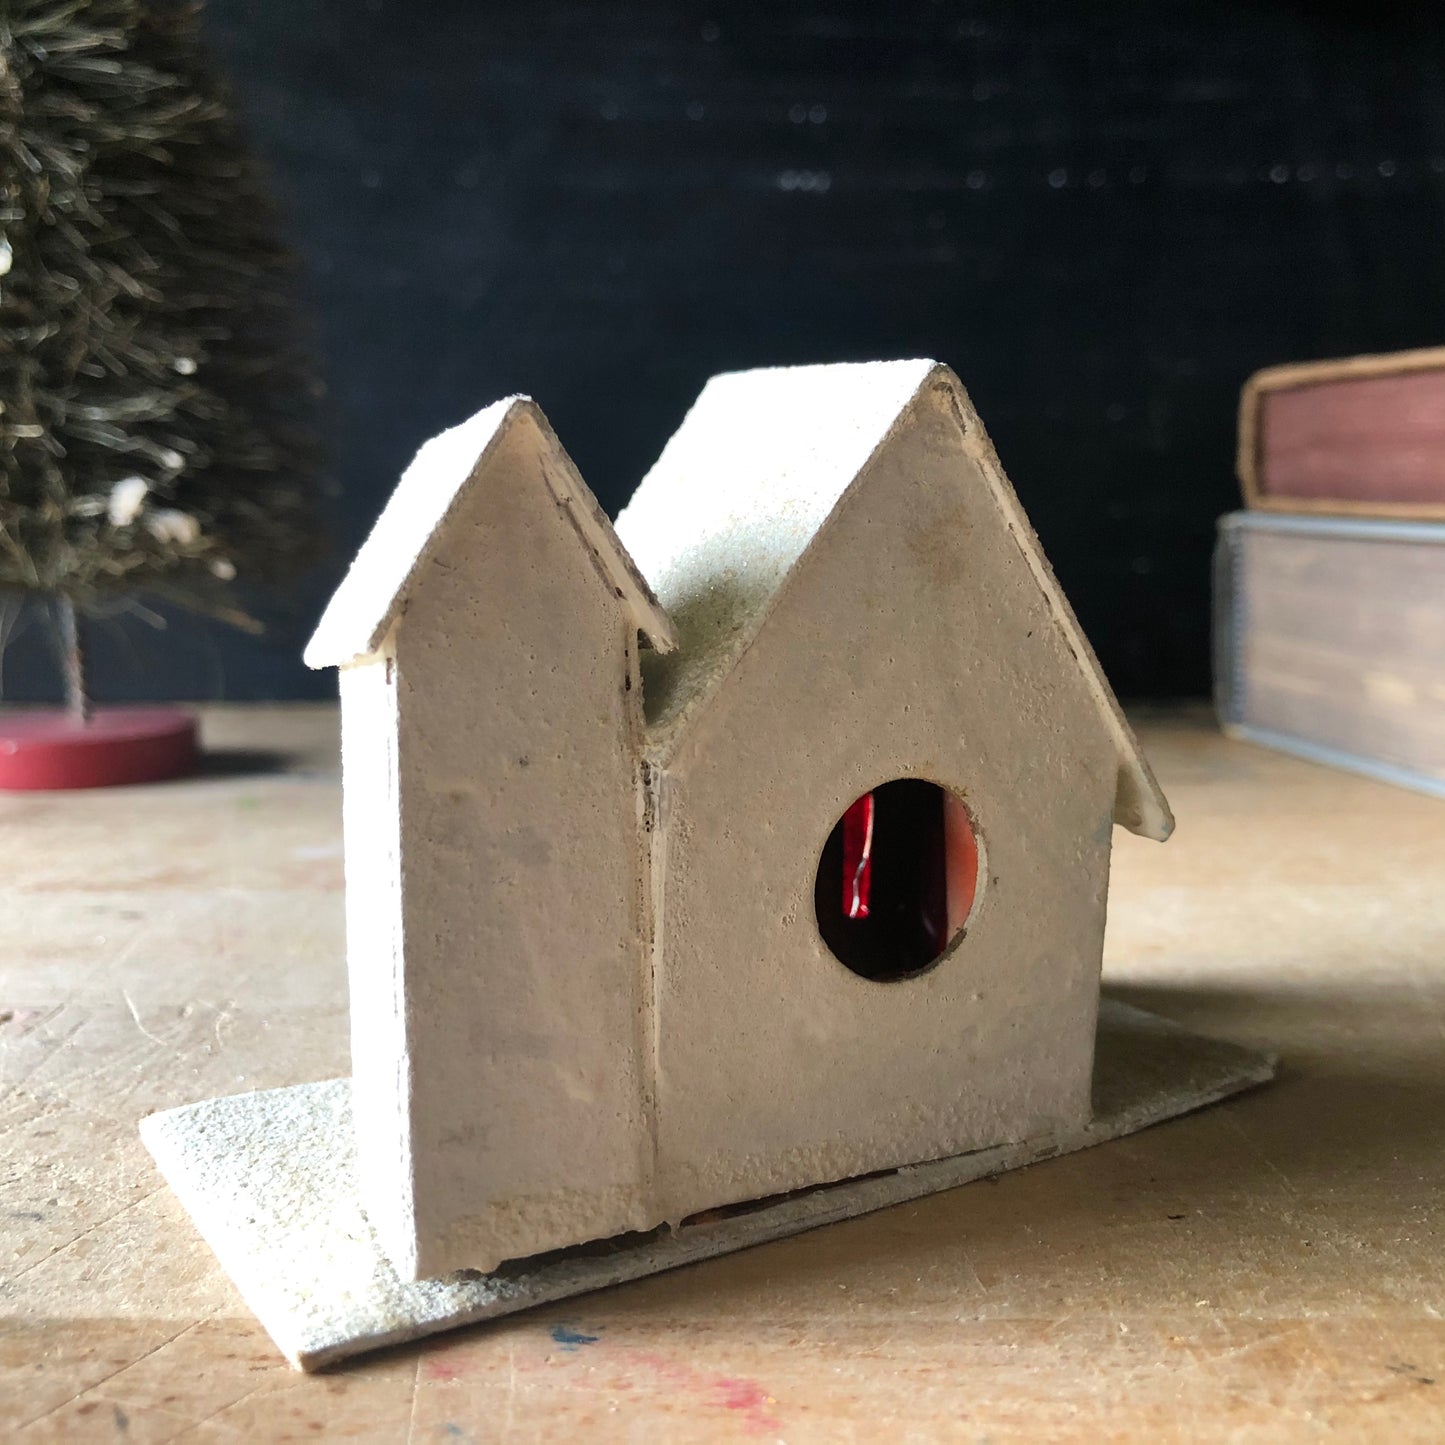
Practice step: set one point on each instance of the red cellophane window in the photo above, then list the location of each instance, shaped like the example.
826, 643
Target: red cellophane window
897, 879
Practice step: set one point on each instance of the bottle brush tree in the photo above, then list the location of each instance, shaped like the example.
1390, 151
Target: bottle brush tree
155, 408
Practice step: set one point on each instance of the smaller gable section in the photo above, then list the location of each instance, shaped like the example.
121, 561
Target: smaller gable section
374, 591
749, 483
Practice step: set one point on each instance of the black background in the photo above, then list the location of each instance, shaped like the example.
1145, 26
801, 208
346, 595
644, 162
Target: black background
1103, 215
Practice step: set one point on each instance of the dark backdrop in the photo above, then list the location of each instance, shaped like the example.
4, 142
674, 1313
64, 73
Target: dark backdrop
1103, 215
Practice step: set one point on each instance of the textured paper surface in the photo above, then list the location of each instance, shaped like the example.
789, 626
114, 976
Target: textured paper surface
752, 480
268, 1178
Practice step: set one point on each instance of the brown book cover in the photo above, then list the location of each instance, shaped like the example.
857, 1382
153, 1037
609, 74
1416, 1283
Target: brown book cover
1330, 641
1362, 437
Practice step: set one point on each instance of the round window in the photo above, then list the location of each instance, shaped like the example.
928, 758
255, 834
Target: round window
897, 879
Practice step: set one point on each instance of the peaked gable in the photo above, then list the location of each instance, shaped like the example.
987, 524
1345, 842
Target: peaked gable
749, 483
374, 591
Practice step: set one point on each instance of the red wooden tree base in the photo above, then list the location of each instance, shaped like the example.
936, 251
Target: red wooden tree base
49, 749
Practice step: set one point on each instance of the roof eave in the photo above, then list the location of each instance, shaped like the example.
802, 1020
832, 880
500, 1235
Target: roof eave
354, 628
1139, 802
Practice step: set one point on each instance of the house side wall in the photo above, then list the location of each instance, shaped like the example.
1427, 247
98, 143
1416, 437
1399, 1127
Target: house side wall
913, 640
523, 884
372, 832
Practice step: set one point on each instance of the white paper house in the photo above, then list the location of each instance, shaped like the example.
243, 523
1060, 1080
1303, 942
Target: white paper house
588, 816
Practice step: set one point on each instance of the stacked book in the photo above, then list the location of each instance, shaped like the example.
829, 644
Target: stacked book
1330, 586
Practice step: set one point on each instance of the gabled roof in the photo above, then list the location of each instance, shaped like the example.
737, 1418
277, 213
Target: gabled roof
748, 482
373, 593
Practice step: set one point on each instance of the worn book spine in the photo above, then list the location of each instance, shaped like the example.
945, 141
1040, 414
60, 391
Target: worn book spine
1330, 641
1359, 437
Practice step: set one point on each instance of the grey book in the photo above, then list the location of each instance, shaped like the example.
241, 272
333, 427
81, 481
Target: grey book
1330, 641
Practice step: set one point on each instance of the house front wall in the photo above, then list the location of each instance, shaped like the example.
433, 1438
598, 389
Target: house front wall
911, 641
522, 877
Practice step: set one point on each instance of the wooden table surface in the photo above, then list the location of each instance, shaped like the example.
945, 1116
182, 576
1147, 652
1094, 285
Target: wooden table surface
1270, 1269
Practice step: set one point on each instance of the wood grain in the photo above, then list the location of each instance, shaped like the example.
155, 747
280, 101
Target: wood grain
1269, 1270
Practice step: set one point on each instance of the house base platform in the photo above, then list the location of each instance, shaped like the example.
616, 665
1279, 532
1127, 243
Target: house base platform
268, 1179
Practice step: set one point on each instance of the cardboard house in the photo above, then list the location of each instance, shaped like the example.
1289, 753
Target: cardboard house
758, 842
